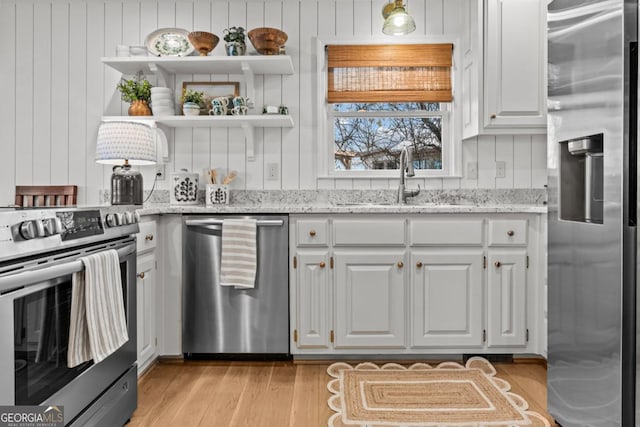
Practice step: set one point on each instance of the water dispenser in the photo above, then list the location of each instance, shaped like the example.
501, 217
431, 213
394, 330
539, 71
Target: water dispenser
581, 179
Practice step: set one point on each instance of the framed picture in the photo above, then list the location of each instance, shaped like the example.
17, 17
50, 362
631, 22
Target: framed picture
212, 90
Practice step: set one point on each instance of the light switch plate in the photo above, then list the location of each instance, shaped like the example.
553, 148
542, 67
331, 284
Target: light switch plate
472, 170
501, 169
273, 171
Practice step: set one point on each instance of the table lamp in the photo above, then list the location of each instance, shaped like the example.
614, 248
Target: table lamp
124, 144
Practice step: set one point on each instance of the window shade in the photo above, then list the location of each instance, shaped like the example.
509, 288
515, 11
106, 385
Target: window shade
389, 73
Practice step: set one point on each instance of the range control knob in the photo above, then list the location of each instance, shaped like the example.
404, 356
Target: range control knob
136, 217
113, 219
119, 218
110, 220
52, 226
32, 229
127, 218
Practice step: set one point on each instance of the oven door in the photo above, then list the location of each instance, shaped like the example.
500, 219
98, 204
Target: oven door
34, 335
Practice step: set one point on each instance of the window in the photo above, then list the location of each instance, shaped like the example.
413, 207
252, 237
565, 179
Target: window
383, 98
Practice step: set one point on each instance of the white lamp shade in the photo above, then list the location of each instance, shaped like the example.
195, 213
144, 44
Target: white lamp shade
120, 141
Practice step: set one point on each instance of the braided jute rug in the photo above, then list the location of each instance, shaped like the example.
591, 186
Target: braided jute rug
447, 395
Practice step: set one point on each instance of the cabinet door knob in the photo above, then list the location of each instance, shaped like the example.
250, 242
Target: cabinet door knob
141, 275
322, 264
312, 233
510, 233
148, 237
419, 265
494, 115
400, 264
498, 264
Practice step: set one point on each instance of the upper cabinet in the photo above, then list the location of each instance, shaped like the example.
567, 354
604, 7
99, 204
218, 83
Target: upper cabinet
504, 67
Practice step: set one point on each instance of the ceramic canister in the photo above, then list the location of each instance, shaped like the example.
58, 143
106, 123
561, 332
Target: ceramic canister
184, 188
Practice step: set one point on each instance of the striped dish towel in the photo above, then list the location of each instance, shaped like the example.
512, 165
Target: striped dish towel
98, 324
238, 263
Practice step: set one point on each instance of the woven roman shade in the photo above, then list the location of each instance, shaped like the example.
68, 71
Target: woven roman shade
389, 73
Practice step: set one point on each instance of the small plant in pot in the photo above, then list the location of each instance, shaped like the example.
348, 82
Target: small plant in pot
191, 102
235, 44
136, 91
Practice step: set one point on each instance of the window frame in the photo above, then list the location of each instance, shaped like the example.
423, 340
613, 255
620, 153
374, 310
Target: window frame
443, 114
451, 129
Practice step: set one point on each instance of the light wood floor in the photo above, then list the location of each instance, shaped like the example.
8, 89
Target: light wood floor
269, 394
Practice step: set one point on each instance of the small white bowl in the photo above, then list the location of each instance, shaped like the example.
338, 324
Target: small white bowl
187, 111
138, 50
162, 102
159, 95
163, 111
160, 89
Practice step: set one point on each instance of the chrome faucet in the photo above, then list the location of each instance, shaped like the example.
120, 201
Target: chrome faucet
406, 166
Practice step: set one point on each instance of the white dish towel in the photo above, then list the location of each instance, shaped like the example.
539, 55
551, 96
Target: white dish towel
238, 263
98, 325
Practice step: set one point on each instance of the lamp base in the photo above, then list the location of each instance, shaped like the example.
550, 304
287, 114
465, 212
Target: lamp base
126, 186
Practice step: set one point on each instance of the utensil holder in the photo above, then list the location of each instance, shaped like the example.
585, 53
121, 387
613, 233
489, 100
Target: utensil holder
184, 188
217, 195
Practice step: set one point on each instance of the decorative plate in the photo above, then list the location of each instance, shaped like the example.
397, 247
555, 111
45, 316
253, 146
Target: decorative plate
169, 42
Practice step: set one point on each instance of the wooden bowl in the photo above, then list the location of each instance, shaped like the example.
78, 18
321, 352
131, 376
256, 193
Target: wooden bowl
267, 41
203, 41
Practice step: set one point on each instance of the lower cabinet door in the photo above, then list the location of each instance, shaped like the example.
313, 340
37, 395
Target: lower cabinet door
447, 298
146, 310
312, 298
369, 299
507, 298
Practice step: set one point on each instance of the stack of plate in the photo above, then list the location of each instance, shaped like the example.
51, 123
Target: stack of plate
162, 102
138, 51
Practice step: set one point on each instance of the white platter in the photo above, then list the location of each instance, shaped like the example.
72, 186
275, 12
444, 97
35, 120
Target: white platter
169, 42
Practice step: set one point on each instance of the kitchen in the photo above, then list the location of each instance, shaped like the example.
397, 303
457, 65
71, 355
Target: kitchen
479, 218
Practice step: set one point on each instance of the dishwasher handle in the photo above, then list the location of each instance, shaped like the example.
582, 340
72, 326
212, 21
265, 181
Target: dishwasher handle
208, 222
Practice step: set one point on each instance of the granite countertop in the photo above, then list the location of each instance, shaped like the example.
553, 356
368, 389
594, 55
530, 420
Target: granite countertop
361, 201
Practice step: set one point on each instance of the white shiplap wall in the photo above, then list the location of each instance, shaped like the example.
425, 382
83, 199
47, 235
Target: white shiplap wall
57, 89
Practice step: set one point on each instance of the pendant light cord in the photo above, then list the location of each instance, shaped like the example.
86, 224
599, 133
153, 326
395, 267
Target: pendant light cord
155, 179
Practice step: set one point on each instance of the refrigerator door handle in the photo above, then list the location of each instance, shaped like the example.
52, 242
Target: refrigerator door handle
632, 196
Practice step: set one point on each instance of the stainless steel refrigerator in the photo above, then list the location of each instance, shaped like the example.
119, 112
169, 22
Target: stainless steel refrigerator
592, 160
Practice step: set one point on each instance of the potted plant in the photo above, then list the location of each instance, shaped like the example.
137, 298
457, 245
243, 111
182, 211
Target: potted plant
191, 102
235, 41
136, 91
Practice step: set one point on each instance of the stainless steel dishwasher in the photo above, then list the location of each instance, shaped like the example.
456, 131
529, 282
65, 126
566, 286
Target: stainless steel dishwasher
221, 321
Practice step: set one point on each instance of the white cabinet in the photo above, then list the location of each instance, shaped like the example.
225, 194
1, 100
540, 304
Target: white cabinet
312, 276
146, 295
145, 305
248, 66
504, 67
447, 298
508, 262
369, 299
507, 298
415, 284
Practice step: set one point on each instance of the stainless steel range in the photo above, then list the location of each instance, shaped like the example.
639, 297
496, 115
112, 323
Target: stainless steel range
40, 249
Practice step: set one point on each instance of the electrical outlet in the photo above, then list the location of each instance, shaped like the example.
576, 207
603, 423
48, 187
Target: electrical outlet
160, 172
273, 171
501, 169
472, 170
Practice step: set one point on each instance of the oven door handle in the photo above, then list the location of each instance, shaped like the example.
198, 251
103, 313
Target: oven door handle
34, 277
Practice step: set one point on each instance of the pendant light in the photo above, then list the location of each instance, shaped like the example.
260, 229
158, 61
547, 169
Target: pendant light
397, 21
